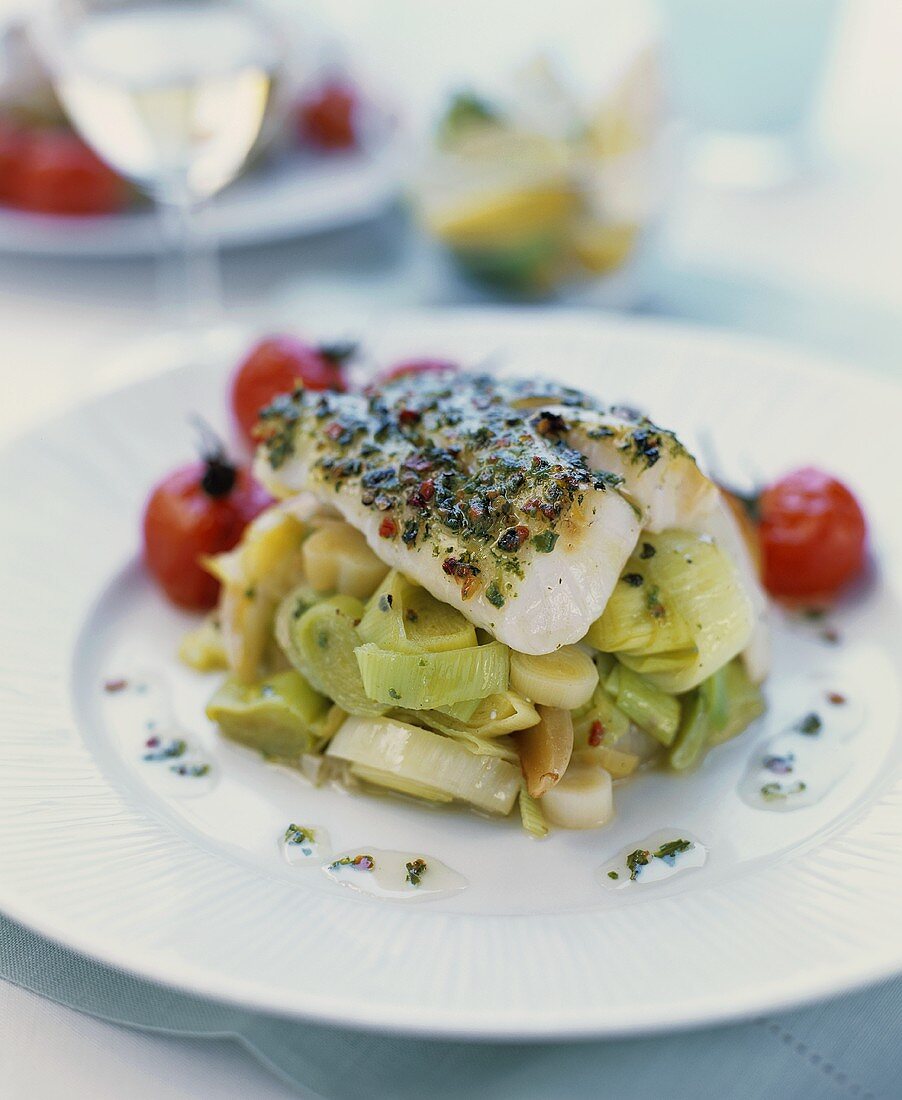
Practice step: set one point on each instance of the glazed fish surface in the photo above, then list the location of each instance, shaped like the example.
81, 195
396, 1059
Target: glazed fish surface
516, 501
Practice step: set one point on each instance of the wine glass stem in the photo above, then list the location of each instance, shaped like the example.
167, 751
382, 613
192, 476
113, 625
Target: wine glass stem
191, 283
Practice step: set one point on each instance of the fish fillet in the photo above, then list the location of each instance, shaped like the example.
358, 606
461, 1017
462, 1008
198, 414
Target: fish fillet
481, 501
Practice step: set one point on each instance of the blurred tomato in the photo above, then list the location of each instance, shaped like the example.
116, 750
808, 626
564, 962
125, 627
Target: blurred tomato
813, 535
327, 116
12, 147
278, 365
54, 172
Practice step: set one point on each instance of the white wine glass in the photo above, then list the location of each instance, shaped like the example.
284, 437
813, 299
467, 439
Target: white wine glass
172, 94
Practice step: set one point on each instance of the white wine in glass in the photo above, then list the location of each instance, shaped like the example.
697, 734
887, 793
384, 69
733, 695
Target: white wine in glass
171, 94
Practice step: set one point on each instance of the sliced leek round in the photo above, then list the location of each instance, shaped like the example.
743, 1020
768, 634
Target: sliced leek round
406, 618
279, 717
416, 756
425, 680
321, 644
583, 799
565, 678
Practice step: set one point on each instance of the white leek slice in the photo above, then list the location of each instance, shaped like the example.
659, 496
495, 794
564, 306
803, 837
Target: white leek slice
565, 678
584, 799
417, 756
420, 681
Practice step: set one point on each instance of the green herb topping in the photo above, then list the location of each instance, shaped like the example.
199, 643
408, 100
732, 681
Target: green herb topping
360, 863
192, 771
494, 596
669, 851
415, 871
653, 603
164, 750
770, 792
302, 836
810, 724
545, 541
635, 861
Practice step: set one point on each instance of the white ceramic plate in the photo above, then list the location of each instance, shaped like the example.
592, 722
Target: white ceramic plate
193, 891
296, 195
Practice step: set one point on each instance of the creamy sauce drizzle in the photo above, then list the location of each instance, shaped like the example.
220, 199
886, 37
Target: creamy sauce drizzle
382, 873
801, 764
655, 859
171, 760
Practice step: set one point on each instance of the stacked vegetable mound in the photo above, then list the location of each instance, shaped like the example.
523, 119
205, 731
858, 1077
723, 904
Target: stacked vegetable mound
484, 592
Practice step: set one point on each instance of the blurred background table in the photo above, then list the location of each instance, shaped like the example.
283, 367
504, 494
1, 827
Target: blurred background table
814, 262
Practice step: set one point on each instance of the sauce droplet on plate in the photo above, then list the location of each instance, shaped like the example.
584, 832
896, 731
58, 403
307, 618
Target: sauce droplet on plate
661, 856
382, 873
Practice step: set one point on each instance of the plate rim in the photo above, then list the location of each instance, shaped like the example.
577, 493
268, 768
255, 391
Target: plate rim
417, 1021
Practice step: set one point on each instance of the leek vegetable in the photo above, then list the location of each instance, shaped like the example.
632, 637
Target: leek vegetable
495, 716
531, 814
462, 711
426, 680
321, 643
545, 750
280, 717
721, 707
565, 678
603, 710
714, 692
337, 558
290, 609
254, 576
405, 754
618, 764
503, 712
650, 708
502, 747
584, 798
744, 702
679, 613
398, 783
693, 732
630, 624
405, 618
202, 648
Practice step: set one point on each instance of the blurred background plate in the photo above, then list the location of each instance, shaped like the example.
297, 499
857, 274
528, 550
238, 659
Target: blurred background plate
297, 195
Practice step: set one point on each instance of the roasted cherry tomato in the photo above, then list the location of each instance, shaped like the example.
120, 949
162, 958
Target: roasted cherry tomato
415, 366
277, 365
813, 535
199, 509
327, 116
57, 173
